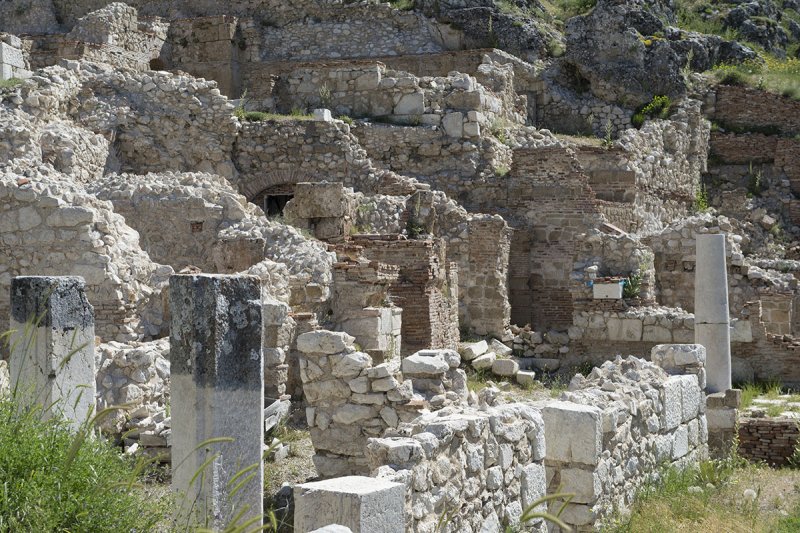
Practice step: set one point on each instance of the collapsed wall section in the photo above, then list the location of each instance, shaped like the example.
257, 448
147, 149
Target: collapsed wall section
52, 228
613, 430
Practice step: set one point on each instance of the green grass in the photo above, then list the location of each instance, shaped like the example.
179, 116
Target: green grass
259, 116
10, 83
779, 76
404, 5
716, 501
52, 480
751, 391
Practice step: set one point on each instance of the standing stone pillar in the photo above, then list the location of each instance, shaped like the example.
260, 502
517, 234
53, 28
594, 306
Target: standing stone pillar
52, 346
711, 315
217, 391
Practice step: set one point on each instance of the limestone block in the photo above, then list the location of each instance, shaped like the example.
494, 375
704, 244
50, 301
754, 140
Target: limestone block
484, 361
532, 483
575, 514
655, 333
322, 115
624, 329
453, 124
741, 331
319, 200
11, 56
526, 378
505, 367
586, 484
573, 432
673, 357
720, 418
473, 350
410, 104
691, 397
324, 342
363, 504
425, 365
472, 129
349, 365
672, 401
499, 348
680, 443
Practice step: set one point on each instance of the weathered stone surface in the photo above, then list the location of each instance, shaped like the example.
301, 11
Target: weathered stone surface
324, 342
430, 365
572, 432
484, 361
359, 503
505, 367
473, 350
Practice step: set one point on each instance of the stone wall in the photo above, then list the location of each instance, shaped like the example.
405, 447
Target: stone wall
114, 35
349, 400
199, 208
613, 430
747, 108
549, 189
357, 30
136, 375
205, 47
51, 228
480, 466
426, 290
13, 61
772, 440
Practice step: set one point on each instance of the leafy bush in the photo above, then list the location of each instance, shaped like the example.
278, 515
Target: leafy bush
659, 107
52, 480
404, 5
701, 200
632, 286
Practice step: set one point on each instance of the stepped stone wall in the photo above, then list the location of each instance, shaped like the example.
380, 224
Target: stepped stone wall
613, 430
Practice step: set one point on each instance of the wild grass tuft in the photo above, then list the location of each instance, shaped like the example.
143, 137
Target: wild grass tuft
54, 480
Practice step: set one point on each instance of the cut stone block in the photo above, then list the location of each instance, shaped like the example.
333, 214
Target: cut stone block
52, 360
584, 484
363, 504
505, 367
217, 379
672, 414
573, 432
499, 348
425, 365
484, 361
526, 378
319, 200
324, 342
476, 349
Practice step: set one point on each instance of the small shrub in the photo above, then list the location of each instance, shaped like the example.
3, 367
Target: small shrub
255, 116
734, 78
347, 120
638, 119
53, 480
501, 171
701, 200
632, 286
403, 5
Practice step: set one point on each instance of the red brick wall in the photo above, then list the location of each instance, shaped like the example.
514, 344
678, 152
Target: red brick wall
768, 439
750, 108
733, 149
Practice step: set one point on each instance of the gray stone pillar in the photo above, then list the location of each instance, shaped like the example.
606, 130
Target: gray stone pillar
217, 391
52, 347
711, 315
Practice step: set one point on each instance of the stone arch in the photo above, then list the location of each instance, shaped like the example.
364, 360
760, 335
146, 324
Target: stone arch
270, 180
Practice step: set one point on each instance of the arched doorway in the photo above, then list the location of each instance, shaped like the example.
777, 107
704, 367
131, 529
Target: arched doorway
273, 200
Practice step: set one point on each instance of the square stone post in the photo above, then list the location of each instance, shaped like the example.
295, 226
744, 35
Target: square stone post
363, 504
217, 380
52, 346
712, 324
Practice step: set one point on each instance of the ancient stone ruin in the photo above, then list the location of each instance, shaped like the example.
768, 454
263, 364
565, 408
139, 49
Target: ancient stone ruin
234, 216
